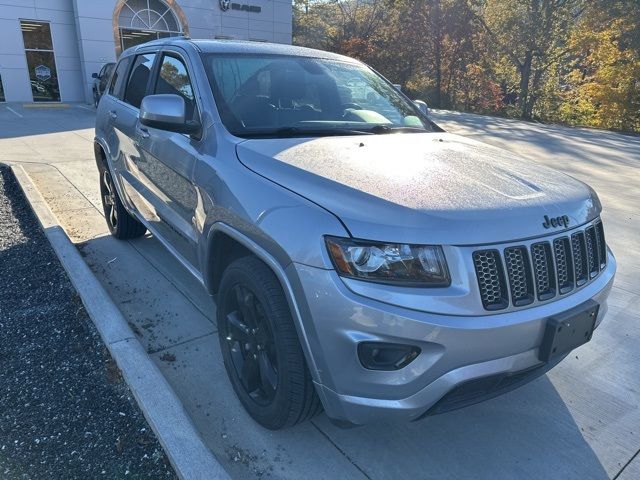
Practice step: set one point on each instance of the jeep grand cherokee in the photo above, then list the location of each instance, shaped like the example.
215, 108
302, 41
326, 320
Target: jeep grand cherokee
362, 259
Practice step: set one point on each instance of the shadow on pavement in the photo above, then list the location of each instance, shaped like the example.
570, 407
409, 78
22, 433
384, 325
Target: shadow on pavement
528, 433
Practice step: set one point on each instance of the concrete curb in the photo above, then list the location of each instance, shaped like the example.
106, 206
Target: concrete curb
184, 447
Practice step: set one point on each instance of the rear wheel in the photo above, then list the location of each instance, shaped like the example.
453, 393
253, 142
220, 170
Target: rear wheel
121, 224
260, 347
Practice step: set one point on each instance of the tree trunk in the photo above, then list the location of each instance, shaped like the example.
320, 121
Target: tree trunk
533, 96
525, 76
438, 53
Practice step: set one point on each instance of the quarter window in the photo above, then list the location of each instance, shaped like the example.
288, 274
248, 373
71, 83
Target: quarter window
174, 79
118, 80
138, 79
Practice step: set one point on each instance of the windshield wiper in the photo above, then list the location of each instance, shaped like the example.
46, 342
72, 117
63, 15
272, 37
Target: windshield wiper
304, 132
380, 129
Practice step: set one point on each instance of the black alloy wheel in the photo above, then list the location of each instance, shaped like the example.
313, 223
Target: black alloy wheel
108, 191
260, 347
251, 345
121, 223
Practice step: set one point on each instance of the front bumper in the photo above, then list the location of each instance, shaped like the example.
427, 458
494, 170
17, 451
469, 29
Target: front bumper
456, 350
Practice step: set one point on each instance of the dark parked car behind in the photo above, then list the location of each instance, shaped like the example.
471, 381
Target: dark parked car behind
100, 81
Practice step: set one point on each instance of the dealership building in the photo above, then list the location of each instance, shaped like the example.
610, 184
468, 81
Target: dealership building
49, 49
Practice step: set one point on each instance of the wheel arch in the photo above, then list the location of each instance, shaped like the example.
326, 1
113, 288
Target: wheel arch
100, 154
223, 235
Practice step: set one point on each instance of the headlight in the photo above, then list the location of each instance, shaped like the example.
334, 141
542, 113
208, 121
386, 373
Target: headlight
408, 265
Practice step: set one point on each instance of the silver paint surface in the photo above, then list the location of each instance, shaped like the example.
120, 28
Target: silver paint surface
432, 188
280, 197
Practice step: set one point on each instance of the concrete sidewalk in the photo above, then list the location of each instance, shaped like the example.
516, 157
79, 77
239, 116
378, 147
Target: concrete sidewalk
580, 421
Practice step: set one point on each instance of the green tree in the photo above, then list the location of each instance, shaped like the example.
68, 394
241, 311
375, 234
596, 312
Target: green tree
531, 35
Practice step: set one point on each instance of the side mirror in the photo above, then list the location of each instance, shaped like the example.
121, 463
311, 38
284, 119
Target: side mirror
397, 86
166, 112
94, 75
424, 108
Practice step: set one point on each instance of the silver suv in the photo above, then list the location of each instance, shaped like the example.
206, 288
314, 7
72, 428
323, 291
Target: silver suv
362, 259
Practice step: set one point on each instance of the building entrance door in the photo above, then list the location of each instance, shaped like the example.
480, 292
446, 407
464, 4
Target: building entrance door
41, 61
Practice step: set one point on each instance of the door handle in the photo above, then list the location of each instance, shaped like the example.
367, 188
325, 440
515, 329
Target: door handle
143, 132
113, 114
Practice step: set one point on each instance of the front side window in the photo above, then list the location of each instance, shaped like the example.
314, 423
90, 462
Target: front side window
284, 95
138, 79
174, 79
116, 88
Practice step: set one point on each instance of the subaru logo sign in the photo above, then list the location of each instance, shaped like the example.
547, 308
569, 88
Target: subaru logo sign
42, 72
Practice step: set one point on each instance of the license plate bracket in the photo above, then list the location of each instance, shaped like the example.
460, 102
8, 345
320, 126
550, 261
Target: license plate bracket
568, 330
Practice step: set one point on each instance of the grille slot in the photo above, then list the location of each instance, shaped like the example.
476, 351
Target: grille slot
564, 264
592, 251
543, 270
538, 271
516, 260
579, 258
602, 245
493, 289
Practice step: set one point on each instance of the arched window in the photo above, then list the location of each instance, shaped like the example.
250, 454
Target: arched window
140, 21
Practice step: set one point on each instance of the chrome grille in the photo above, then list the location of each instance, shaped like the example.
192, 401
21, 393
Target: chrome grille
519, 275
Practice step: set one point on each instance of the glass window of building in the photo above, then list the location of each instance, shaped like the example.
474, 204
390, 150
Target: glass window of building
41, 61
145, 20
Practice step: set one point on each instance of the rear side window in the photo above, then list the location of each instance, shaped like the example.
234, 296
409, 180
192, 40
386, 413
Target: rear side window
174, 79
116, 88
138, 79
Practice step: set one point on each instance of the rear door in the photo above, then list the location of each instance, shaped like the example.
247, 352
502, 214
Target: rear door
169, 159
107, 112
125, 118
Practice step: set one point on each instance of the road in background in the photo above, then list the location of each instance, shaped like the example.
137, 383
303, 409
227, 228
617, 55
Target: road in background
579, 421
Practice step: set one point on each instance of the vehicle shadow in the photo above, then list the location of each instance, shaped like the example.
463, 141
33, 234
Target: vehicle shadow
527, 433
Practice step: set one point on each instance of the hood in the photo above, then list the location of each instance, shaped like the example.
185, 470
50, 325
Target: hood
436, 188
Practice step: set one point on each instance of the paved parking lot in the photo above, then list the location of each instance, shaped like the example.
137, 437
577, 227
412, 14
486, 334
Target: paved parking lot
582, 420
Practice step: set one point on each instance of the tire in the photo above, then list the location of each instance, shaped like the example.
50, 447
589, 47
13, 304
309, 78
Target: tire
257, 337
122, 225
96, 99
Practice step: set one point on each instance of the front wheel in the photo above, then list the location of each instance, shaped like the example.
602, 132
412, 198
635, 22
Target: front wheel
260, 347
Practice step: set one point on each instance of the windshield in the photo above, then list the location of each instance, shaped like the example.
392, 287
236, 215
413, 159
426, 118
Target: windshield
275, 95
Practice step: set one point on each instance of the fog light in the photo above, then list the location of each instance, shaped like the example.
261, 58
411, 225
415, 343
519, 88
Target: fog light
386, 356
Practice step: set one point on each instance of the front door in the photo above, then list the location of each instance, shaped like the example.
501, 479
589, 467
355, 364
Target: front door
166, 163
